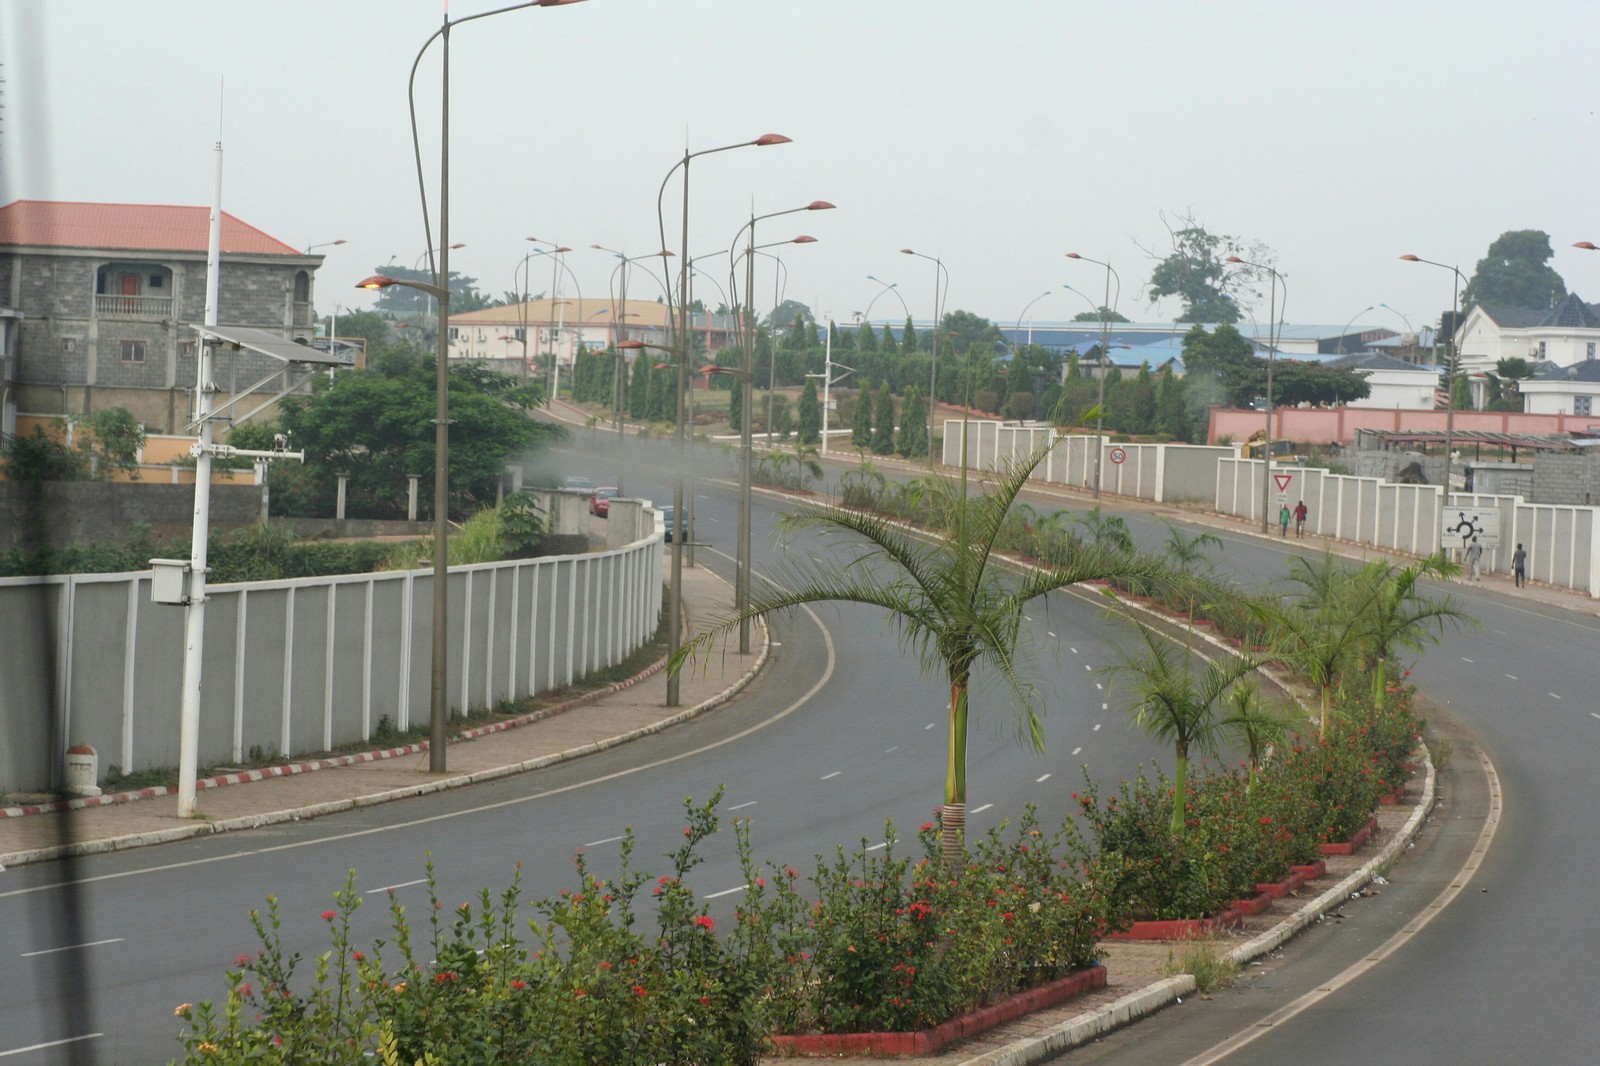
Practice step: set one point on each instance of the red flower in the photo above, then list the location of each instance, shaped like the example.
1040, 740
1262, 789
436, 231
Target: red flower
705, 1001
638, 990
329, 916
705, 922
518, 983
358, 956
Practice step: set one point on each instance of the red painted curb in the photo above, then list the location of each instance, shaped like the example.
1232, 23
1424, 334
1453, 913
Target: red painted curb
1353, 845
927, 1041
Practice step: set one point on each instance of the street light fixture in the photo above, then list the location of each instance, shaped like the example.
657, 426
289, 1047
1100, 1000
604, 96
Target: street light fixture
439, 708
1347, 325
1273, 312
888, 287
555, 252
325, 244
1451, 361
938, 299
1105, 357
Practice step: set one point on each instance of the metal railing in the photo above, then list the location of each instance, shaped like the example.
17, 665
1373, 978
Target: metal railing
133, 306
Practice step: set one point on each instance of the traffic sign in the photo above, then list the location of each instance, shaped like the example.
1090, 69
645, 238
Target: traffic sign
1283, 481
1118, 455
1463, 525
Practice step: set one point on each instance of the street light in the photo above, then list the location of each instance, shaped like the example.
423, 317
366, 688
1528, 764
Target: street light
1024, 313
555, 253
1105, 356
938, 298
1272, 352
439, 708
325, 244
1451, 360
1347, 325
888, 287
747, 400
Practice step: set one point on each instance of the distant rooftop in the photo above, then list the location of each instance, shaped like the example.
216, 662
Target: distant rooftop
129, 227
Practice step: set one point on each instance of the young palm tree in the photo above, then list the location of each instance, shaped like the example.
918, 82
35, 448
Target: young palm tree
1256, 727
1398, 616
953, 604
1171, 704
1321, 635
1185, 552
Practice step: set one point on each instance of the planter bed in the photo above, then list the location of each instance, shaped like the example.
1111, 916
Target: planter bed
1193, 928
1353, 845
928, 1041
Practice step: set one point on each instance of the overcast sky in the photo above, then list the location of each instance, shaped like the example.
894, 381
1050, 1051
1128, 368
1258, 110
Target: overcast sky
997, 136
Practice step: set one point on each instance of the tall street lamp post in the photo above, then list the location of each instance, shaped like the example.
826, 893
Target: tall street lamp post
1274, 311
1346, 331
939, 293
439, 708
747, 336
888, 287
1024, 314
1105, 364
1451, 360
555, 252
325, 244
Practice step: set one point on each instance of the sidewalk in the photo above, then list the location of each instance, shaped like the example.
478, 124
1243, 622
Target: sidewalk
245, 800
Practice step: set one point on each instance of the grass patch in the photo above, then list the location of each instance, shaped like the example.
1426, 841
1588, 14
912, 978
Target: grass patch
1206, 959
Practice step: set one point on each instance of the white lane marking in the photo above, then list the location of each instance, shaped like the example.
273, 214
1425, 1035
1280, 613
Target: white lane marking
930, 725
980, 810
1104, 707
836, 773
1028, 618
1074, 651
402, 884
49, 1043
1086, 666
1041, 779
1049, 634
1554, 696
1076, 750
725, 892
1465, 659
607, 840
742, 806
718, 521
886, 751
879, 847
1593, 715
1514, 677
1097, 724
1098, 685
71, 947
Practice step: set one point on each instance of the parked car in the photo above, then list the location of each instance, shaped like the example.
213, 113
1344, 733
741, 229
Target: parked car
600, 502
668, 521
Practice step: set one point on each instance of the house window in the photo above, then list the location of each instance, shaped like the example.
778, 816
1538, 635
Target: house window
157, 281
1581, 405
133, 351
69, 344
186, 349
1541, 349
1589, 350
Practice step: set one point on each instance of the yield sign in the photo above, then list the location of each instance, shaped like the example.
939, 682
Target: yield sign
1283, 481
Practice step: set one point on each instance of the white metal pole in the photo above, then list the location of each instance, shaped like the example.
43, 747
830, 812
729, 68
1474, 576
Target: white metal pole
827, 381
194, 618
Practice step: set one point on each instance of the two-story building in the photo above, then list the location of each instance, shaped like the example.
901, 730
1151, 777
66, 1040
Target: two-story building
97, 301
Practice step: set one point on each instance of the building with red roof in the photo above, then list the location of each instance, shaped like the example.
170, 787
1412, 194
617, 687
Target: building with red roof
97, 300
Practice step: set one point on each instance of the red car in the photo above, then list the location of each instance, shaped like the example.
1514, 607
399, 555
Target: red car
600, 502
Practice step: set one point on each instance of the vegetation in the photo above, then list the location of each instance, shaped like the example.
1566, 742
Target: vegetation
1516, 272
107, 441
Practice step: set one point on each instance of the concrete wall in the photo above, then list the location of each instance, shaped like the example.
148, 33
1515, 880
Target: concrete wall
76, 512
1558, 478
1322, 425
301, 666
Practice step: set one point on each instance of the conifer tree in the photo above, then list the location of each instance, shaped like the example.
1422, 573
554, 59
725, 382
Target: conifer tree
883, 422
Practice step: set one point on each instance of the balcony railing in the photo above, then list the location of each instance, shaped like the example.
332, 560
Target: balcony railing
133, 306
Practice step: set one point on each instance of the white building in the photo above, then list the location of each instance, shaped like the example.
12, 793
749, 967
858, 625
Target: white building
1394, 383
1563, 336
532, 330
1572, 390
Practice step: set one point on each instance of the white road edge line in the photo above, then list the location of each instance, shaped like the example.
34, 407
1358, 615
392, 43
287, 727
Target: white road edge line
71, 947
406, 884
49, 1043
725, 892
879, 847
836, 773
1076, 750
742, 806
607, 840
980, 810
1041, 779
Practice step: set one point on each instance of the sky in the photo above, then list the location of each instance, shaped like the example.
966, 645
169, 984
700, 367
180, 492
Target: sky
995, 137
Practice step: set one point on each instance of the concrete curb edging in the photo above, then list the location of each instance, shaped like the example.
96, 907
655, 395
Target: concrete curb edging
1083, 1028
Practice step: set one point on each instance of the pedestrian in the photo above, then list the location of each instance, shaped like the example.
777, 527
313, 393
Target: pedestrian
1300, 513
1519, 566
1475, 559
1283, 519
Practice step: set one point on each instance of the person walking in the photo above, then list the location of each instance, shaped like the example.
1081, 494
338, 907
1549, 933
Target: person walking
1300, 514
1474, 559
1283, 519
1519, 566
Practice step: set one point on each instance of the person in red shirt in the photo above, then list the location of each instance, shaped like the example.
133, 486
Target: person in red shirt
1300, 513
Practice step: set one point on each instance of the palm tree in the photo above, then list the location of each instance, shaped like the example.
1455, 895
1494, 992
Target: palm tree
1321, 635
1398, 616
1171, 704
1513, 370
951, 603
1185, 551
1255, 726
1108, 531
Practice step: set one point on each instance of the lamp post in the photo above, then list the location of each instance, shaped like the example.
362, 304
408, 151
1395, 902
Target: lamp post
938, 303
1347, 325
888, 287
741, 584
439, 708
1273, 312
1451, 359
1020, 317
325, 244
1105, 357
619, 326
554, 252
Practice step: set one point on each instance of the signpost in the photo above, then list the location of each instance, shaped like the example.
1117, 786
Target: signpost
1283, 482
1119, 455
1463, 525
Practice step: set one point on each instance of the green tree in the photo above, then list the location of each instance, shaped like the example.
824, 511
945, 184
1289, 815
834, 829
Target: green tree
883, 422
1137, 406
1399, 616
809, 414
1196, 270
887, 343
1228, 358
370, 326
909, 341
861, 419
1172, 421
912, 440
1253, 725
1320, 634
866, 338
1516, 272
1513, 371
1296, 384
114, 440
1101, 313
1170, 704
1186, 552
952, 602
43, 455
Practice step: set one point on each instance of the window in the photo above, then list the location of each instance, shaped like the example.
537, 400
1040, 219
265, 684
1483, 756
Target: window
1541, 349
186, 349
157, 281
1581, 405
133, 351
69, 344
1589, 350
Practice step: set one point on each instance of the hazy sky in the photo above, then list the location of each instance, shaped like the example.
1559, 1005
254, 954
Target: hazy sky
997, 136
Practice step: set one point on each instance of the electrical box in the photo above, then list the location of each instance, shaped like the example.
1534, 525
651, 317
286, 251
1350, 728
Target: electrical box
169, 581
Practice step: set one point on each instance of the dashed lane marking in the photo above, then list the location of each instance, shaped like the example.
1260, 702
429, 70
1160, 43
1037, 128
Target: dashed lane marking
1041, 779
404, 884
597, 843
49, 1043
828, 777
71, 947
980, 810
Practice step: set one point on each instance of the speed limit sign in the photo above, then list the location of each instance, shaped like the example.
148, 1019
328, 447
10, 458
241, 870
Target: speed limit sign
1118, 455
